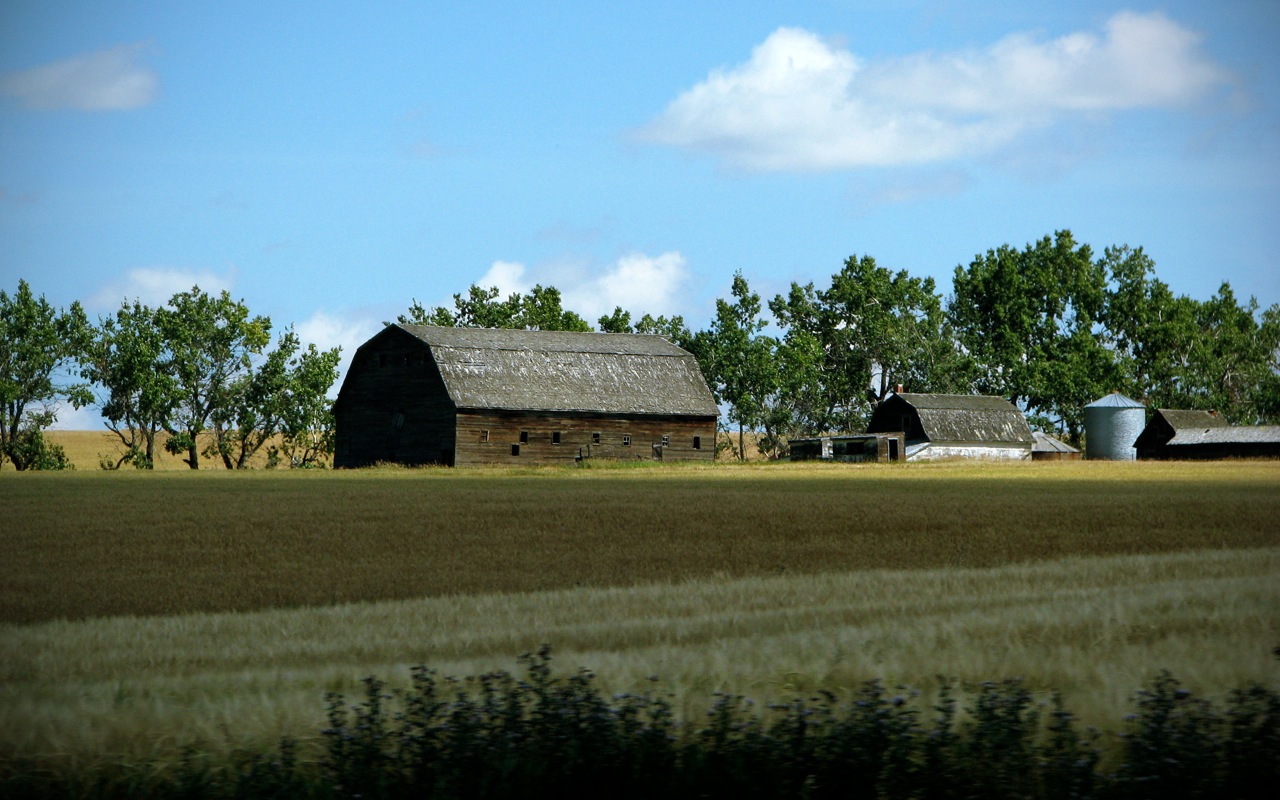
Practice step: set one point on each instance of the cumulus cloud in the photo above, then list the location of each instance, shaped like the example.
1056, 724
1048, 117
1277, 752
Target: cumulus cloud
507, 276
154, 286
104, 80
801, 103
327, 331
638, 283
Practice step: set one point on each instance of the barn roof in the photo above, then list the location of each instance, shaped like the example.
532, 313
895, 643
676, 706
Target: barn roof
519, 370
1179, 419
1048, 444
969, 418
1224, 434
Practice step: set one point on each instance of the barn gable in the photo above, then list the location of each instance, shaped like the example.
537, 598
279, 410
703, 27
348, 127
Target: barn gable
422, 394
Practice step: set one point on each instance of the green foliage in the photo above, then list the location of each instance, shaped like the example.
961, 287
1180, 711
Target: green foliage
1027, 318
542, 735
210, 343
739, 361
540, 309
36, 339
124, 356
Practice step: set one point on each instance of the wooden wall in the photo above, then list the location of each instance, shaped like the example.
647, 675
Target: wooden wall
488, 437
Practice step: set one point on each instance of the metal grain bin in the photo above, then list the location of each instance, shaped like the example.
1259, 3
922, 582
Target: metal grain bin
1111, 426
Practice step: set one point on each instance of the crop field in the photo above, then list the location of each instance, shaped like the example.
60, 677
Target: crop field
143, 612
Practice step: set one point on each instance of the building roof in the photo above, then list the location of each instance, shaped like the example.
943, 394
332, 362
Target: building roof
519, 370
969, 418
1047, 444
1227, 434
1115, 400
1179, 419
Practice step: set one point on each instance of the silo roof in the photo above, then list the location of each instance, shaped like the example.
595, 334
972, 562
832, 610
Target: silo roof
1115, 400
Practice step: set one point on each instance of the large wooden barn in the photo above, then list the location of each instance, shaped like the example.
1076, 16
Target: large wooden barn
469, 396
1182, 434
955, 426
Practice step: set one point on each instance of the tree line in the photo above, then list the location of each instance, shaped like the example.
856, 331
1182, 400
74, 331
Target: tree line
200, 369
1050, 326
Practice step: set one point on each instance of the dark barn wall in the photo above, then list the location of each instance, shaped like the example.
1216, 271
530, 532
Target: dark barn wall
487, 437
393, 406
896, 415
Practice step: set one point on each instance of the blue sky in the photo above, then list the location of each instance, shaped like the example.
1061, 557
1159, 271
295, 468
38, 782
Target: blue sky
331, 163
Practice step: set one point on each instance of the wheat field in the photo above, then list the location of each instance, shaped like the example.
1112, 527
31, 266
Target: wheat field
144, 612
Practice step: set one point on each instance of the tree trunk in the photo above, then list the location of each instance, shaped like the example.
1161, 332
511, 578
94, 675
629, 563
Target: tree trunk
742, 449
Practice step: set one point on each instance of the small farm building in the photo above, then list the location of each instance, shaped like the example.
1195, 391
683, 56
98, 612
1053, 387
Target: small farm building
955, 426
1047, 448
468, 396
856, 448
1180, 434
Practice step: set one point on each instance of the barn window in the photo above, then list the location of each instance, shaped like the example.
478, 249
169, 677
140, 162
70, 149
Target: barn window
595, 437
666, 440
484, 436
697, 443
524, 438
515, 449
626, 440
397, 420
555, 437
382, 359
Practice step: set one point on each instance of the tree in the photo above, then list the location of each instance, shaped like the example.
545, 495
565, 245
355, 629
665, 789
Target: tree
541, 309
1027, 319
211, 343
124, 356
36, 340
673, 329
846, 346
743, 371
284, 395
307, 421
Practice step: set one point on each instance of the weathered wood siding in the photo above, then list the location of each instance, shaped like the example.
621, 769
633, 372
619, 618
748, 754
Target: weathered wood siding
489, 437
393, 406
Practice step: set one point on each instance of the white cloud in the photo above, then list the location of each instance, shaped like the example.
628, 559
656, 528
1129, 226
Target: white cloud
801, 103
104, 80
638, 283
506, 275
327, 331
154, 286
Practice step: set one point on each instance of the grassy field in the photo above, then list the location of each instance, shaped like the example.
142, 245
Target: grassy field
143, 611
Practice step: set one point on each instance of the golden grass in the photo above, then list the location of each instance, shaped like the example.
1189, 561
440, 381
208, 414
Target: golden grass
87, 449
1094, 627
91, 544
251, 594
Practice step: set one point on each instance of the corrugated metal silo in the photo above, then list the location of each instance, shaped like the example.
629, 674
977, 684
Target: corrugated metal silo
1111, 426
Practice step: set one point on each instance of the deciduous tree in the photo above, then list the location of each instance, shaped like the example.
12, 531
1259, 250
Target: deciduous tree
36, 340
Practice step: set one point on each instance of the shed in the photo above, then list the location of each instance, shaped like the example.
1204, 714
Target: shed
1047, 448
1182, 434
854, 448
466, 396
955, 426
1165, 424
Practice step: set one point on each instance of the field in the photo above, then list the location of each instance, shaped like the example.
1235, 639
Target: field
140, 612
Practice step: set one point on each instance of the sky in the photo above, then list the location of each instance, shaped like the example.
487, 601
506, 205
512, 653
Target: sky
331, 163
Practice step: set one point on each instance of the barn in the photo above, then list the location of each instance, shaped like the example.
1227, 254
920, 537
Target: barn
955, 426
1182, 434
470, 396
